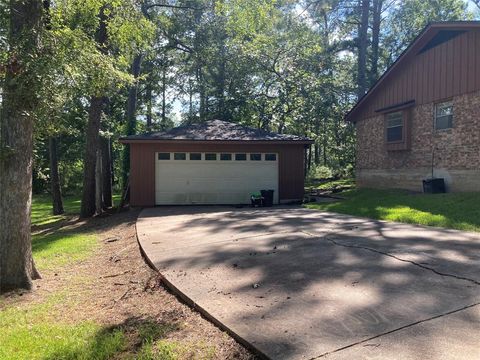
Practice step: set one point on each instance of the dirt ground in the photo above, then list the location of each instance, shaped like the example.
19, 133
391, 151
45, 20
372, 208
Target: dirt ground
116, 288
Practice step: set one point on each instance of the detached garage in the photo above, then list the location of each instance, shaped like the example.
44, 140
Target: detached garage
216, 162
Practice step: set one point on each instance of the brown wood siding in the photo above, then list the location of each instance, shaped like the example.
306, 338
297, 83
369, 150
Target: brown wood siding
447, 70
142, 166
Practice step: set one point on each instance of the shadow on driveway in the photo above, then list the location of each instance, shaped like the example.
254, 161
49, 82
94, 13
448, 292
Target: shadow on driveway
297, 283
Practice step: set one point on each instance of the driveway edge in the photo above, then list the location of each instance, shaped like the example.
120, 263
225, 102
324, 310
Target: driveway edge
190, 303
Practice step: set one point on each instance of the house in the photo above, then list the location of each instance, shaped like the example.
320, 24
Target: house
422, 117
215, 162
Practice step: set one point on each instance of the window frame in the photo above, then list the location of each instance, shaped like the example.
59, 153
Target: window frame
386, 119
207, 154
443, 104
269, 154
237, 155
252, 155
164, 153
179, 153
195, 154
228, 154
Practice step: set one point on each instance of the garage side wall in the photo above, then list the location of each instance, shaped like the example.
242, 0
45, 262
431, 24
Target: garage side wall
142, 166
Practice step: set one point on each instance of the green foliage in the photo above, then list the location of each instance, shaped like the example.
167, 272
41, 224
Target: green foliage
407, 20
453, 210
280, 65
320, 172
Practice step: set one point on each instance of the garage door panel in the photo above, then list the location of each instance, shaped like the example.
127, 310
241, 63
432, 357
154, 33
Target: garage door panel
184, 182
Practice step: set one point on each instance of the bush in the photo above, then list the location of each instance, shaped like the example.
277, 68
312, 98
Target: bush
344, 173
320, 173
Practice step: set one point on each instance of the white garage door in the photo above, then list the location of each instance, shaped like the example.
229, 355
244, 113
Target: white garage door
183, 178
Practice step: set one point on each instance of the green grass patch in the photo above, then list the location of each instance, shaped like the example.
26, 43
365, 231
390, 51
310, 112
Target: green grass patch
172, 350
453, 210
42, 210
62, 248
35, 332
330, 185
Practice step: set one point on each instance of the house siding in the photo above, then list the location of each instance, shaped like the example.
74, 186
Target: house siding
142, 166
457, 150
447, 70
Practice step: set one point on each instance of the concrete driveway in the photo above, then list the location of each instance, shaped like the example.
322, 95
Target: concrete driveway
301, 284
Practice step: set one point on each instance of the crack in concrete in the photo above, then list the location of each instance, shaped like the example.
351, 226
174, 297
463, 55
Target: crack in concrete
336, 243
395, 330
458, 277
327, 237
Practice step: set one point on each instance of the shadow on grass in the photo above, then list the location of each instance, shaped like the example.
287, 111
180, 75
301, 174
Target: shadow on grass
75, 239
135, 338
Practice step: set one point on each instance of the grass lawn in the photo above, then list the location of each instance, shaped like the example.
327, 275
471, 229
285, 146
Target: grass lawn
453, 210
99, 300
42, 209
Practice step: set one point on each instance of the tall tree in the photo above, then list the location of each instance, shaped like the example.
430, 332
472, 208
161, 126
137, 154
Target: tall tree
131, 112
377, 9
364, 11
97, 102
54, 177
19, 101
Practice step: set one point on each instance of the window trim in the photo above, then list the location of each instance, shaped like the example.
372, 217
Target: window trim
210, 153
164, 153
267, 154
240, 154
449, 103
195, 153
229, 154
402, 140
250, 157
179, 153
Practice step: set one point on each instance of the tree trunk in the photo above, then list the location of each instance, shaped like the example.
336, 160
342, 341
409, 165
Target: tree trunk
317, 153
376, 22
107, 173
149, 96
364, 6
54, 178
131, 113
98, 183
88, 207
164, 94
19, 101
92, 137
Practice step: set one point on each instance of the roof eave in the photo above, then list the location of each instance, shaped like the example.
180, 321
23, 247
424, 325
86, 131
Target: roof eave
220, 142
416, 43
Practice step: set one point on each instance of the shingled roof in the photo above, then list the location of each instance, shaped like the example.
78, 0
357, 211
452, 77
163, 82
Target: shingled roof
214, 130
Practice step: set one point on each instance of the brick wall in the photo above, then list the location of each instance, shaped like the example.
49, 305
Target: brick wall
457, 150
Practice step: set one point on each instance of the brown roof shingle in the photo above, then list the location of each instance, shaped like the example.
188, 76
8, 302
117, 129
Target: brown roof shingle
215, 130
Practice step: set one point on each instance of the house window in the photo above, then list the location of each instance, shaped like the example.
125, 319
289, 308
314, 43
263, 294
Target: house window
163, 156
211, 156
180, 156
240, 157
195, 156
226, 157
270, 157
255, 157
444, 115
394, 126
